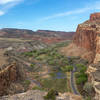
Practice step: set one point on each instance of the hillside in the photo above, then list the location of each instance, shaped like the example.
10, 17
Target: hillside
41, 35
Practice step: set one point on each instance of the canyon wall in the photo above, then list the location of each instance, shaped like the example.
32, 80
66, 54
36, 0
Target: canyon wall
88, 36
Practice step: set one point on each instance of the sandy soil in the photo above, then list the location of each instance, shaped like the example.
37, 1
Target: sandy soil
73, 50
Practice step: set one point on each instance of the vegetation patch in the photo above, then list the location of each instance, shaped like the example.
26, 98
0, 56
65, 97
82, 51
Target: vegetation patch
51, 95
59, 85
81, 77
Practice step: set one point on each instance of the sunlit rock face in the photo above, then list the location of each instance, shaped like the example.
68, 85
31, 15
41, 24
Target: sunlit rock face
88, 36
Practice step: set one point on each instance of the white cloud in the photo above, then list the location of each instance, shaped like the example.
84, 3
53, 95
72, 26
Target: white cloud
95, 6
3, 2
67, 13
7, 4
1, 13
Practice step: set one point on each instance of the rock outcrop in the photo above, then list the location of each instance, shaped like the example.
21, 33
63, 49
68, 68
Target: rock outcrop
7, 75
39, 95
94, 77
95, 16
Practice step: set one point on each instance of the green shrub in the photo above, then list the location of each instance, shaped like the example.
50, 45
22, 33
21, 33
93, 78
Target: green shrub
51, 95
88, 87
32, 65
88, 98
37, 88
28, 54
67, 68
27, 83
57, 84
81, 80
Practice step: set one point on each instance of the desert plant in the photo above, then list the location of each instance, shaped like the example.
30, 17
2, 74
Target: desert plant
88, 88
51, 95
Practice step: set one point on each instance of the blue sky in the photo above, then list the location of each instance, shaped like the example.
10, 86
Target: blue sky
59, 15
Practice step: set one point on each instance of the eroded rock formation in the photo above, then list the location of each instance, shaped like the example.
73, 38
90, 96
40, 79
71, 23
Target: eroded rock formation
7, 75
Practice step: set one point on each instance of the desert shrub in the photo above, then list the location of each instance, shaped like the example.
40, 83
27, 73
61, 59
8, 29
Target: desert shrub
27, 83
81, 80
32, 65
51, 95
37, 88
88, 98
30, 54
56, 84
88, 88
67, 68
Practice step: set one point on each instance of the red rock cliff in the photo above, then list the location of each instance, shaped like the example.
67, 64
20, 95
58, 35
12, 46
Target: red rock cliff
87, 35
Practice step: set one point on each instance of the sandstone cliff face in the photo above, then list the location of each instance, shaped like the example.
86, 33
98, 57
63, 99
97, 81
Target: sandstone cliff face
87, 35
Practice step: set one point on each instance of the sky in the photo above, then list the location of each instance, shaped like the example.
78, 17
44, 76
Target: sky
58, 15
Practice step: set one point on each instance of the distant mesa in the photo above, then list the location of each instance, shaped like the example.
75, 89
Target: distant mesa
47, 36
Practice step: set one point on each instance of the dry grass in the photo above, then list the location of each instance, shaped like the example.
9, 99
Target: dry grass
73, 50
13, 39
3, 59
68, 82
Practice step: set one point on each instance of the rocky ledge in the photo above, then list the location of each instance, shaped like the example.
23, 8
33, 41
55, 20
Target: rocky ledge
94, 77
39, 95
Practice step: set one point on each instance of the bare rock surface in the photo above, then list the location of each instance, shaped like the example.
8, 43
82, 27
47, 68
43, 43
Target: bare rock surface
39, 95
29, 95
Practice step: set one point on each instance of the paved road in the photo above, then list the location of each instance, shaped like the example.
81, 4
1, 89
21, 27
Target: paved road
72, 80
73, 84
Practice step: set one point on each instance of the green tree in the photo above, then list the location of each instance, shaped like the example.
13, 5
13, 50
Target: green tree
81, 80
67, 68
